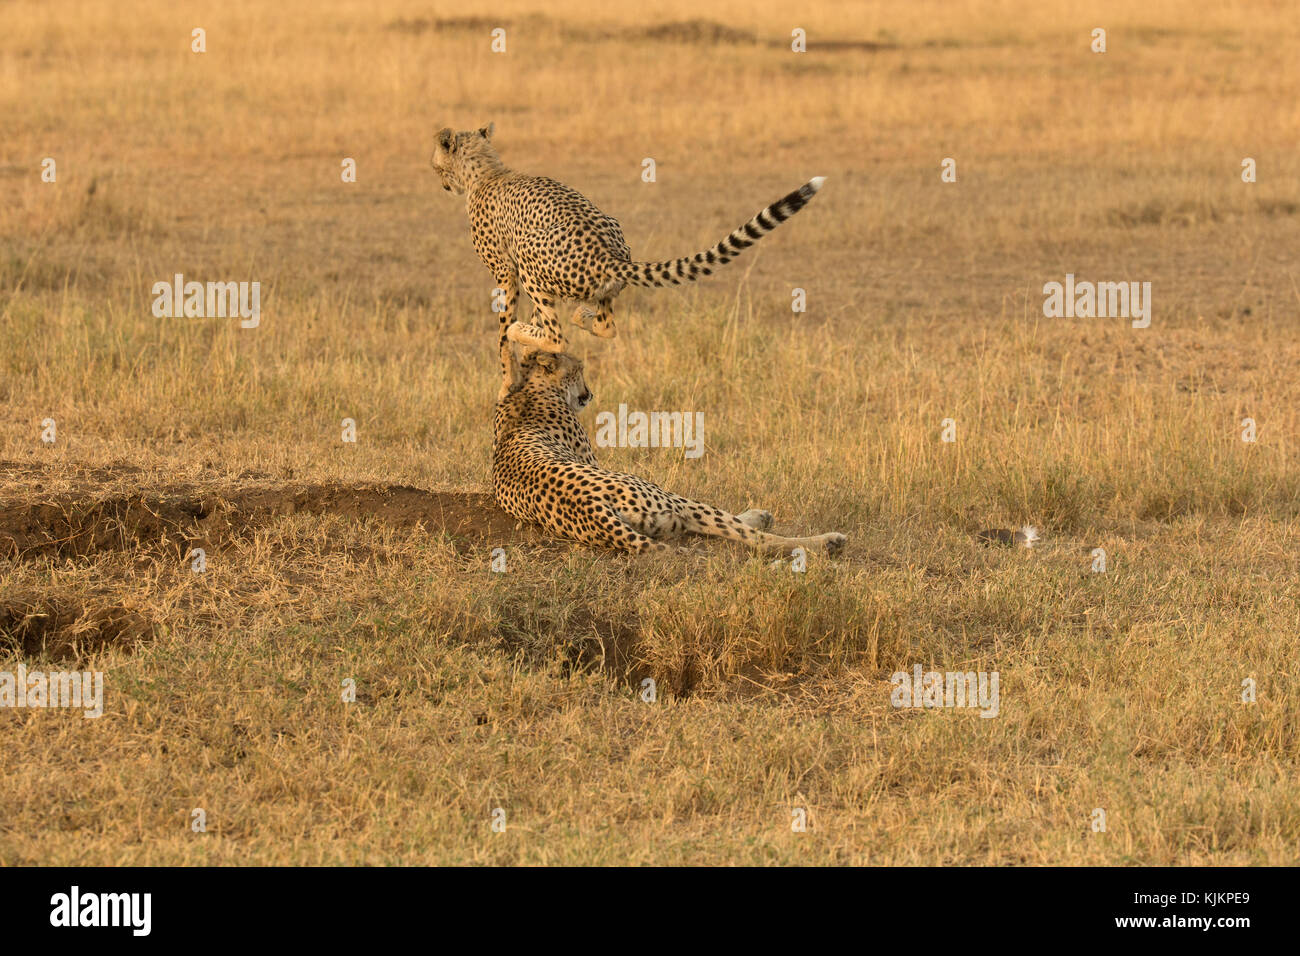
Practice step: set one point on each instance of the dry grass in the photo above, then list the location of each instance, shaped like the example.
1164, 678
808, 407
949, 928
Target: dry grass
479, 690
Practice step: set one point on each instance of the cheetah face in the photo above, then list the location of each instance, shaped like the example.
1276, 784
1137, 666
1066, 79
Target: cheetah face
578, 394
454, 153
552, 372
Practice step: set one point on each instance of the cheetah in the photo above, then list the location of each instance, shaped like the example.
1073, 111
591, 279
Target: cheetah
539, 235
544, 471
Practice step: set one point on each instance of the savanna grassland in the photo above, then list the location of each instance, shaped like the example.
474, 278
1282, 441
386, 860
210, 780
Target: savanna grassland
369, 561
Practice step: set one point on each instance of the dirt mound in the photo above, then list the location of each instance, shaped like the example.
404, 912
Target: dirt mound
83, 522
418, 25
692, 31
63, 628
695, 31
867, 46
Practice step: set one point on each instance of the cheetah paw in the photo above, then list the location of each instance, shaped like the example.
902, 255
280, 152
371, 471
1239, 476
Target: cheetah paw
756, 518
834, 542
537, 337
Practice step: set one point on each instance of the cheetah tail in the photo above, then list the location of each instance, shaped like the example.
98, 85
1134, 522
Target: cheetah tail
690, 268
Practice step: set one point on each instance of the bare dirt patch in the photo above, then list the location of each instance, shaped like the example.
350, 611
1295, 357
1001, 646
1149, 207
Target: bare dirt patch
699, 31
91, 519
64, 627
685, 31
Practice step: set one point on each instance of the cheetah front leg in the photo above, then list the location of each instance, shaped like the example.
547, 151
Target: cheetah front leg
543, 332
505, 299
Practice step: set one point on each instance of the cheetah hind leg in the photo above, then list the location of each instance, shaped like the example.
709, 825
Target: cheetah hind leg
659, 525
599, 321
707, 520
603, 323
582, 317
610, 530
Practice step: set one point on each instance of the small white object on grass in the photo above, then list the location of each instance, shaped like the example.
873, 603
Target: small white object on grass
1028, 536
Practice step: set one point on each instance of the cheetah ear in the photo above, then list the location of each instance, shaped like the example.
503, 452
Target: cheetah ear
487, 131
445, 138
546, 360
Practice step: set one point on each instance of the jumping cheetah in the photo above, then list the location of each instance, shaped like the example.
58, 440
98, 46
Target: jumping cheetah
539, 235
543, 471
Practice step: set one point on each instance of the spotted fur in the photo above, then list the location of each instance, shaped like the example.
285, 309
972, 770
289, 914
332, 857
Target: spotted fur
544, 471
540, 236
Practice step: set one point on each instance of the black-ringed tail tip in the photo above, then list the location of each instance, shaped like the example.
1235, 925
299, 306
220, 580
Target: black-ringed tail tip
1026, 537
691, 268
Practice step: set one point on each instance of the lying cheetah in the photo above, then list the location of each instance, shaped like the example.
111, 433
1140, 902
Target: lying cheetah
543, 470
539, 235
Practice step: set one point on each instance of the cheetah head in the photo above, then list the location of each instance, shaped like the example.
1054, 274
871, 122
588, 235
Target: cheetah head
459, 157
556, 372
